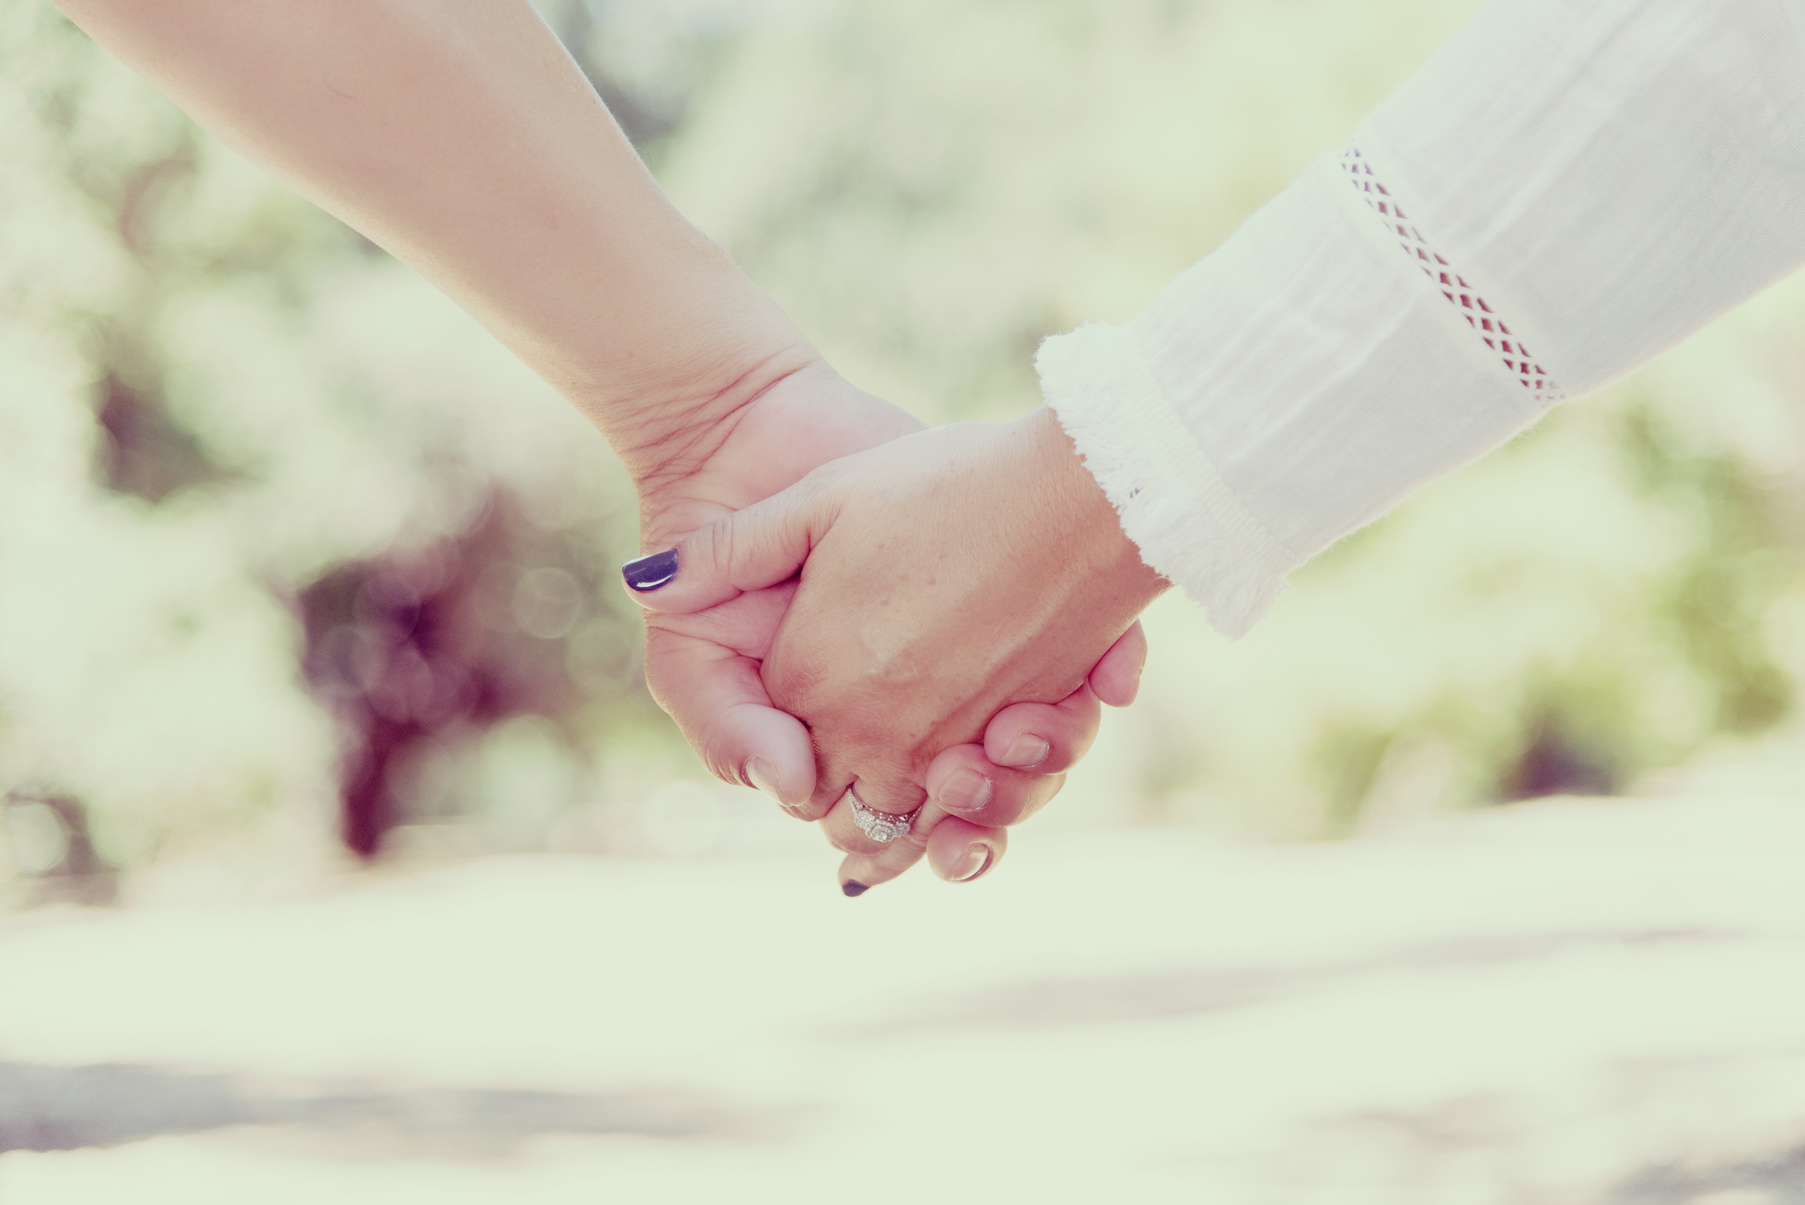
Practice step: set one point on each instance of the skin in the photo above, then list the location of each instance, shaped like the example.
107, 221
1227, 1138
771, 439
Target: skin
941, 576
717, 662
461, 137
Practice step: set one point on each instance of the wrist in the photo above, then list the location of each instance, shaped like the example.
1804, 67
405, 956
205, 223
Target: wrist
1099, 547
708, 346
758, 438
669, 430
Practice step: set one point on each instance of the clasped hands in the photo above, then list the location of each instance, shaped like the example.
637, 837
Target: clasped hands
839, 600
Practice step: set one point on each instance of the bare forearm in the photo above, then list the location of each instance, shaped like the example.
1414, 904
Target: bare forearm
459, 135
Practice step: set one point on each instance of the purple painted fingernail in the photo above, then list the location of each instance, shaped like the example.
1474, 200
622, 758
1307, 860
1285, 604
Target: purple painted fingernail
650, 573
965, 791
1025, 752
854, 888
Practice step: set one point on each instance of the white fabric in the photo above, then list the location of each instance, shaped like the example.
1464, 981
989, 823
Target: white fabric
1608, 175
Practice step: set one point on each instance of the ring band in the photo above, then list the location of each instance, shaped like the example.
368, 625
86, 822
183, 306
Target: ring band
882, 827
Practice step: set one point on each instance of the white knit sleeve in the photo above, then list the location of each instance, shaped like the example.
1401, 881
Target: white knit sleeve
1591, 180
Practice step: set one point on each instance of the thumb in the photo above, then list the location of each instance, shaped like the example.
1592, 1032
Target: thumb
762, 545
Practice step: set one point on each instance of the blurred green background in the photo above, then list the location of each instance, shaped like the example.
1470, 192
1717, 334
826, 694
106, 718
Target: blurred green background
281, 528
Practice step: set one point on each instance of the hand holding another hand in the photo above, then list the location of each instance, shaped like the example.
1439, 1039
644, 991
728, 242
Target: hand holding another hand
944, 576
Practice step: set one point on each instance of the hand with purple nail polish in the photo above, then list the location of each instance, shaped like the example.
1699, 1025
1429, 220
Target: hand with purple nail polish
934, 581
705, 668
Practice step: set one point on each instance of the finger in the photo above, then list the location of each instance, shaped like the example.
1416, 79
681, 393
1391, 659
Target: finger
979, 783
718, 700
888, 790
841, 827
958, 850
845, 758
1117, 677
965, 783
859, 873
750, 549
961, 852
1044, 738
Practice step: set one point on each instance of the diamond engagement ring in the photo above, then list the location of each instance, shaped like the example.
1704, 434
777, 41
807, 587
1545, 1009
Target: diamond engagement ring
882, 827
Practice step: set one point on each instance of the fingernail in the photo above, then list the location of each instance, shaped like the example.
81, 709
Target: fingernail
975, 863
759, 773
854, 888
1025, 752
650, 573
965, 791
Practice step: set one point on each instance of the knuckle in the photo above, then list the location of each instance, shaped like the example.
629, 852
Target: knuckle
720, 759
715, 545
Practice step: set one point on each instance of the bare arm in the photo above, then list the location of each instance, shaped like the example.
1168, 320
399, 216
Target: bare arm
459, 135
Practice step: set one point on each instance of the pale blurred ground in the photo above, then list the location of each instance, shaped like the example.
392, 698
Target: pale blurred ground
1588, 1001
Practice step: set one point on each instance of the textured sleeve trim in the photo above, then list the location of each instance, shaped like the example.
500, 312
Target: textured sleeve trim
1188, 523
1509, 347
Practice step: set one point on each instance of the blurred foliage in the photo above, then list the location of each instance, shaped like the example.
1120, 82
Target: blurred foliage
255, 476
223, 413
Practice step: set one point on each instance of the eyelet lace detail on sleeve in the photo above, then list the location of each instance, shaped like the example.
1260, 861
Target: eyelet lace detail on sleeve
1459, 293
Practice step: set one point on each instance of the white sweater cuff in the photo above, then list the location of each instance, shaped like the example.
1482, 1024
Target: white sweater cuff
1599, 179
1287, 389
1174, 505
